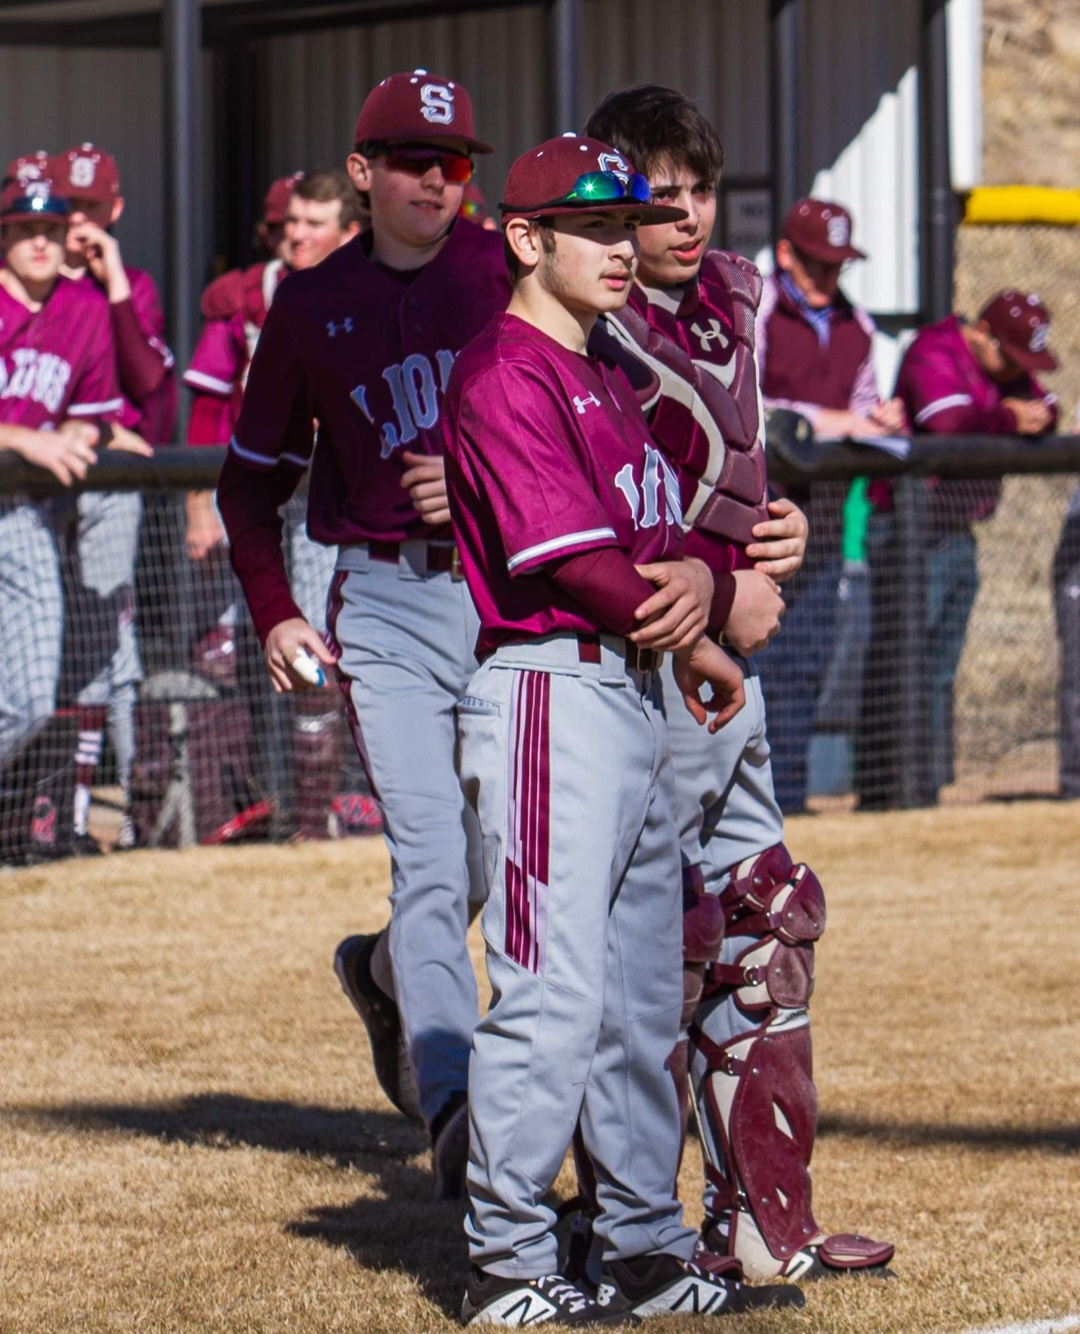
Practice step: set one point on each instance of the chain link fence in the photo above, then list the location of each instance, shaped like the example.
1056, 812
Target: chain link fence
136, 710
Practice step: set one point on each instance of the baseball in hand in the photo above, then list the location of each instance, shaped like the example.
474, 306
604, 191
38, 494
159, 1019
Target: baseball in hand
308, 668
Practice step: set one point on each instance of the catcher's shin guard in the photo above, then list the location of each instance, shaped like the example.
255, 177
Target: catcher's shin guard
754, 1087
703, 934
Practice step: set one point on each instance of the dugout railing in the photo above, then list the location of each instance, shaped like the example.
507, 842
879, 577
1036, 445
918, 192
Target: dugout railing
860, 712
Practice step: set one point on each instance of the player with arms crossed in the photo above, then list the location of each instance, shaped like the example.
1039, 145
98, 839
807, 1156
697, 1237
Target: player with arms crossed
689, 323
364, 342
57, 383
559, 498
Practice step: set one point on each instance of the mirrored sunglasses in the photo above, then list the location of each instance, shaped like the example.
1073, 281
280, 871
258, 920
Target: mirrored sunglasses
455, 167
603, 187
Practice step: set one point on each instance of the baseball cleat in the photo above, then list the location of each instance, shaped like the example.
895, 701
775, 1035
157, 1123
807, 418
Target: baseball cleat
86, 845
450, 1147
491, 1299
659, 1285
389, 1056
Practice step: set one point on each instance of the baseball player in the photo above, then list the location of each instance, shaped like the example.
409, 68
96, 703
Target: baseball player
57, 384
320, 211
364, 342
106, 525
560, 499
689, 325
957, 377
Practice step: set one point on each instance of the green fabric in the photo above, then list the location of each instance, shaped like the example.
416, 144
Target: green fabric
857, 510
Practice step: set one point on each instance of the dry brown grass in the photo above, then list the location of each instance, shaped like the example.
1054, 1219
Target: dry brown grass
192, 1140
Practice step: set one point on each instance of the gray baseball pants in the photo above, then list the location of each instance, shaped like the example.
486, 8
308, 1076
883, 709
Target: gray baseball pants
31, 612
406, 639
566, 764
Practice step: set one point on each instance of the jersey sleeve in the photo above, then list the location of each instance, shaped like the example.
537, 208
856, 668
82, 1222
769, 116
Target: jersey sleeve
218, 360
275, 425
516, 438
95, 390
938, 401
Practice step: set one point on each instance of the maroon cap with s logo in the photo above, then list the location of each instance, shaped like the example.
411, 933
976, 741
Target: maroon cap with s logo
821, 230
1021, 324
417, 107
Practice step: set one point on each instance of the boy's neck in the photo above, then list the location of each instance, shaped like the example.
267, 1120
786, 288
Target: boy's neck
538, 307
31, 295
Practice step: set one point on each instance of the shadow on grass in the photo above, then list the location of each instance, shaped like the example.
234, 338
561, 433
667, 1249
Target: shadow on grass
229, 1120
396, 1227
1049, 1139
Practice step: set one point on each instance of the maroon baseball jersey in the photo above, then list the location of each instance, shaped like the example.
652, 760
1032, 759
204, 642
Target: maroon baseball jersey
150, 412
57, 362
368, 352
548, 456
234, 307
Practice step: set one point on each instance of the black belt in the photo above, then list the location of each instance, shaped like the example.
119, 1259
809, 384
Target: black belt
638, 659
441, 557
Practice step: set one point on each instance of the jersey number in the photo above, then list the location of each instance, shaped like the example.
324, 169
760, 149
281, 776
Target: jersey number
644, 501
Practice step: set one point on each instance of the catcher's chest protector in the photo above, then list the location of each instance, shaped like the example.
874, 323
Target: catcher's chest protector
707, 415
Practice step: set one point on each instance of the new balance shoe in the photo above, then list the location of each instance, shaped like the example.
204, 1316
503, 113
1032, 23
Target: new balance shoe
665, 1285
393, 1070
450, 1147
553, 1299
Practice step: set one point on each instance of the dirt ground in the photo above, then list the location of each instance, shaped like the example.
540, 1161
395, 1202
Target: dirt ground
192, 1140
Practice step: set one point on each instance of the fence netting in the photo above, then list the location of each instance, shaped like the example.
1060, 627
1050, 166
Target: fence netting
913, 672
135, 709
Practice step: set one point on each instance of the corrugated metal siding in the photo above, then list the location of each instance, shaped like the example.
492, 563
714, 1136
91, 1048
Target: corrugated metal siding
861, 106
52, 98
319, 82
715, 51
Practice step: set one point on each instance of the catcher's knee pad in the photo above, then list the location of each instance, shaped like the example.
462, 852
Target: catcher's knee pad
779, 906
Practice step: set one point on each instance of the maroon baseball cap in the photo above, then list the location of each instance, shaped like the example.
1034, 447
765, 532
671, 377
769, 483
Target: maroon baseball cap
417, 106
821, 230
276, 203
87, 172
29, 167
577, 175
31, 200
1021, 324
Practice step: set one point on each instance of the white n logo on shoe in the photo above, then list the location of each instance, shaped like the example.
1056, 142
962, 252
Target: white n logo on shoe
518, 1308
690, 1299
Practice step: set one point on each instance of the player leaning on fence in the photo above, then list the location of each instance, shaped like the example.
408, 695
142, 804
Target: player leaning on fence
58, 376
961, 378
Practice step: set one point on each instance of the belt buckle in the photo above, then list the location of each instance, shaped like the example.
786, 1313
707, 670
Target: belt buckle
456, 572
642, 659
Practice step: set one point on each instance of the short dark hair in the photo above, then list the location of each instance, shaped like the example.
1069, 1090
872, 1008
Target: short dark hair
651, 124
328, 183
547, 244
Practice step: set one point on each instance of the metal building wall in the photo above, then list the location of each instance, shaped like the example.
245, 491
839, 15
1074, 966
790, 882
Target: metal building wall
316, 83
55, 97
861, 118
715, 51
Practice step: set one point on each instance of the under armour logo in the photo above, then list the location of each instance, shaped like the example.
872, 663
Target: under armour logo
706, 336
582, 403
332, 327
